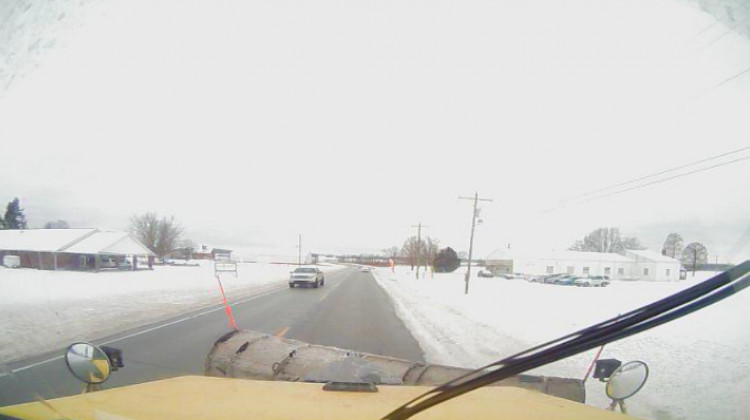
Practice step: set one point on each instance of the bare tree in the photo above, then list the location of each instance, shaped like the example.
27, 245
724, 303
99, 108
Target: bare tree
606, 239
160, 235
168, 236
673, 245
694, 255
630, 242
391, 252
145, 227
411, 250
187, 243
429, 250
57, 224
577, 246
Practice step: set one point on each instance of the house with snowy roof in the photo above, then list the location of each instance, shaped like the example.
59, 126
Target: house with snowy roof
76, 249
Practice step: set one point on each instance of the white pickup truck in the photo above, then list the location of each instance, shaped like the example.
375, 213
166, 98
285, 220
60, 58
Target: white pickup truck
308, 276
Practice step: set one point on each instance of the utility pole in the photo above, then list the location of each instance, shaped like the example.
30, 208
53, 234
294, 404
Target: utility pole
419, 243
471, 241
299, 250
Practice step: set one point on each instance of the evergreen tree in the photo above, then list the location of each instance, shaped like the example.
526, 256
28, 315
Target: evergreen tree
14, 217
446, 261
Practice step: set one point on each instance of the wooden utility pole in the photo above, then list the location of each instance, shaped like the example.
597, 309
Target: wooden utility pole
419, 243
471, 241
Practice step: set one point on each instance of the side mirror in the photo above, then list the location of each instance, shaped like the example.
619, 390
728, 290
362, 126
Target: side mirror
605, 368
88, 363
627, 380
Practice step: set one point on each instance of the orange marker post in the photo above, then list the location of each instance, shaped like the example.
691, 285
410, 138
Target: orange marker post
227, 308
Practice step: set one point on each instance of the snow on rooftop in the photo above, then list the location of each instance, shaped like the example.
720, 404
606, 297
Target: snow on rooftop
586, 256
42, 240
508, 254
128, 245
652, 255
501, 254
74, 241
109, 242
95, 242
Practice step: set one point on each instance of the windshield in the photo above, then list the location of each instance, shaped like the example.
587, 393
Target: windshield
443, 183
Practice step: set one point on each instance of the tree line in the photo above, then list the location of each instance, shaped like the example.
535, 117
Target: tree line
14, 218
610, 239
161, 234
425, 251
692, 255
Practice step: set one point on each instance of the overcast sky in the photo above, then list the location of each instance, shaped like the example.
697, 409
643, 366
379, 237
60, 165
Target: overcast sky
351, 121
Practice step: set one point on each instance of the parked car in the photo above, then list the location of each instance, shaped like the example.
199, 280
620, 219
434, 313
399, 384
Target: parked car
595, 281
308, 276
365, 269
567, 280
124, 264
107, 262
12, 261
552, 278
485, 273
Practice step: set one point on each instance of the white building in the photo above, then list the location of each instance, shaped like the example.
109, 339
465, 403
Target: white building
650, 265
645, 265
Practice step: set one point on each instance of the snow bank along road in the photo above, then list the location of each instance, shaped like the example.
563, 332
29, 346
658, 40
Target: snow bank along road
351, 311
699, 365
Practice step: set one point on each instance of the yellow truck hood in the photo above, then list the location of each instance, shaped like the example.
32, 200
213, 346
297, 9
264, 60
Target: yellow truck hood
199, 397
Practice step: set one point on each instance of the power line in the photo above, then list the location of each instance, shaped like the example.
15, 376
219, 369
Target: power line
717, 39
729, 79
699, 33
655, 174
659, 181
723, 82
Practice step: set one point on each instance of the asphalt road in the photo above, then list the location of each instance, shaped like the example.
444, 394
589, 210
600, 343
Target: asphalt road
350, 312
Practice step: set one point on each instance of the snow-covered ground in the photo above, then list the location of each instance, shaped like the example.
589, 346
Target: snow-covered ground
44, 310
699, 365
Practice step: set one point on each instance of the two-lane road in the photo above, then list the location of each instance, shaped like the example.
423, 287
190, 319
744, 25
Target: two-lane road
351, 312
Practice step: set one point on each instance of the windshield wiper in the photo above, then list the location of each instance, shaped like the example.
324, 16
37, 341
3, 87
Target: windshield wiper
660, 312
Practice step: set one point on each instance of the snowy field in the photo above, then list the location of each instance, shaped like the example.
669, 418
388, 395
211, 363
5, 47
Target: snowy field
699, 364
46, 310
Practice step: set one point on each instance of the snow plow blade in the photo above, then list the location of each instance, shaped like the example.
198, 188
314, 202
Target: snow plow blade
253, 355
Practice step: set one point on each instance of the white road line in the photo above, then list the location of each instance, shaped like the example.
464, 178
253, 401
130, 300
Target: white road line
137, 333
253, 297
31, 366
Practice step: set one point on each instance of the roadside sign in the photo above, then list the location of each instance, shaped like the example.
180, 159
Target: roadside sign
225, 267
